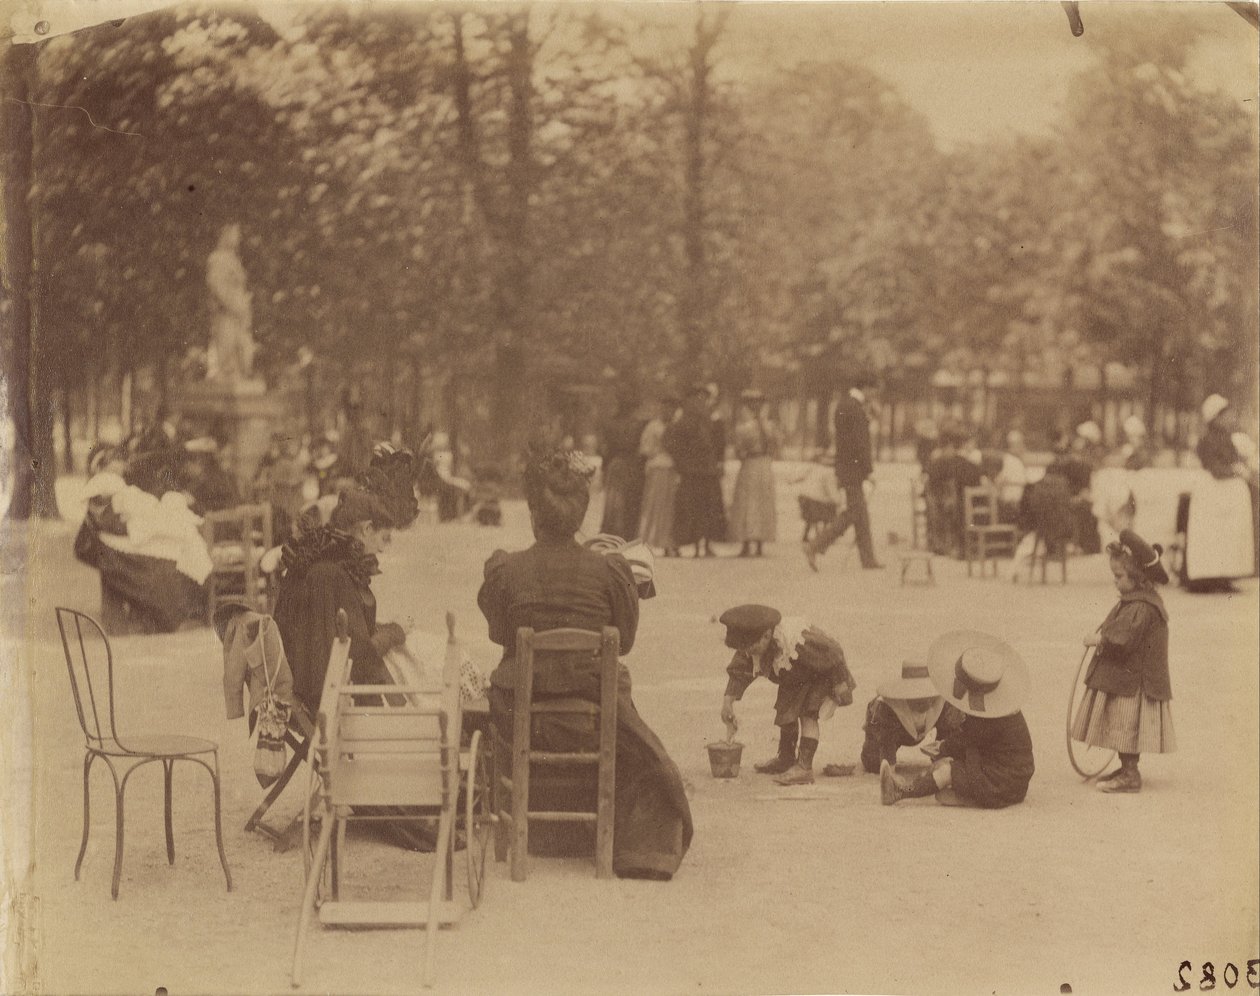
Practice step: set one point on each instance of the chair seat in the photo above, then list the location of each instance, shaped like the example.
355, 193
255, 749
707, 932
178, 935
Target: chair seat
157, 745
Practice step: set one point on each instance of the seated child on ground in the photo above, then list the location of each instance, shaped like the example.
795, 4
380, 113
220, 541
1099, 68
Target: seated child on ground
988, 761
806, 664
902, 715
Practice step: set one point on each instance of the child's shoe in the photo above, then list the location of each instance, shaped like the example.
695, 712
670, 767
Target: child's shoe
1125, 780
796, 775
776, 765
893, 789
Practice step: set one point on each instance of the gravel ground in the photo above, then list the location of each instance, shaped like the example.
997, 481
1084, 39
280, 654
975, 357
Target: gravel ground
811, 889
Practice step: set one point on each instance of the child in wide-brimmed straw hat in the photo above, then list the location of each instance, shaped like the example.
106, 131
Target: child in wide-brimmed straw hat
1126, 703
988, 761
810, 670
902, 714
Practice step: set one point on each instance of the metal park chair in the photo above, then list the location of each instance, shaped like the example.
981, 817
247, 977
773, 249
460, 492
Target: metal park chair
91, 664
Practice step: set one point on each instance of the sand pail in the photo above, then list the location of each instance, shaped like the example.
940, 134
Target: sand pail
724, 758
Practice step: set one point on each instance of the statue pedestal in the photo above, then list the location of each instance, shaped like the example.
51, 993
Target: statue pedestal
244, 412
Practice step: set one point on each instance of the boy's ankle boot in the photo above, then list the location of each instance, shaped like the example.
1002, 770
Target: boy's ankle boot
893, 789
802, 772
787, 752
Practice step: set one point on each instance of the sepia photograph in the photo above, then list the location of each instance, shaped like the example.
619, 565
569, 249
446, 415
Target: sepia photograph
424, 424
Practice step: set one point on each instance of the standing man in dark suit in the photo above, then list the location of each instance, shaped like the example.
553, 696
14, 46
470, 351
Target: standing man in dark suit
853, 467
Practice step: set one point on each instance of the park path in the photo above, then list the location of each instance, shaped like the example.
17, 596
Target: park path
816, 889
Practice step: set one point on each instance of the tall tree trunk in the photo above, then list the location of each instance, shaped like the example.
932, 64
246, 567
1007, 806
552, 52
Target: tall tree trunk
67, 427
508, 225
35, 468
693, 298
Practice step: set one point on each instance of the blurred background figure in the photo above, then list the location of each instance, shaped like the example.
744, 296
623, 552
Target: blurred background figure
948, 473
279, 483
699, 516
1076, 467
1136, 452
854, 467
926, 437
660, 485
438, 479
1012, 477
622, 467
752, 518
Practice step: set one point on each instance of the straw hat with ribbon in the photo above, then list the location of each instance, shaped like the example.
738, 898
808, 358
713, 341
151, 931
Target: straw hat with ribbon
914, 683
978, 673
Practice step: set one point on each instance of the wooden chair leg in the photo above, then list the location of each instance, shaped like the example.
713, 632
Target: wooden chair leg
308, 896
497, 795
436, 891
520, 818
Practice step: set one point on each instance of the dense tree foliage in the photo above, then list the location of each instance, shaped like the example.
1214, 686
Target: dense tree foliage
497, 205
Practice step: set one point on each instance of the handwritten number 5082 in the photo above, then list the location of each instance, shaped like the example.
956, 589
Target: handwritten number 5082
1229, 975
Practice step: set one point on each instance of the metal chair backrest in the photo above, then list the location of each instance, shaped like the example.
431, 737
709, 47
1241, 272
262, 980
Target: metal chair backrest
387, 755
91, 665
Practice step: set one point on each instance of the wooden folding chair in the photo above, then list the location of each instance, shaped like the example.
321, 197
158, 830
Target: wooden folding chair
392, 756
513, 783
984, 538
298, 737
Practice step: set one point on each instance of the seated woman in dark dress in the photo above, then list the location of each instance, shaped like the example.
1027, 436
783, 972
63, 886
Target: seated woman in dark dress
559, 583
326, 568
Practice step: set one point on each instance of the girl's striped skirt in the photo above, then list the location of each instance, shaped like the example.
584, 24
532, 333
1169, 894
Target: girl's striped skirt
1130, 724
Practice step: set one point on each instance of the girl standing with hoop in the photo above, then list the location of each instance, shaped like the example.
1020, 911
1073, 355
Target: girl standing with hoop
1126, 703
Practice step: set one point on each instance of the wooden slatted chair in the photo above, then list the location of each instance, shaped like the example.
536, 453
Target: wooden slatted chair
984, 537
518, 765
383, 757
237, 538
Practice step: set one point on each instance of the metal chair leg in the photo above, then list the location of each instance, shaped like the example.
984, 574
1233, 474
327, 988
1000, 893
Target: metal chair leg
87, 811
119, 792
169, 767
218, 823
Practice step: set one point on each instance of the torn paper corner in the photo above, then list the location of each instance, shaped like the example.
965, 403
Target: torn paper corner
33, 21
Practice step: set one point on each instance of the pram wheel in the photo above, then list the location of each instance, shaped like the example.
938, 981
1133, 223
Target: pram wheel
1086, 760
478, 817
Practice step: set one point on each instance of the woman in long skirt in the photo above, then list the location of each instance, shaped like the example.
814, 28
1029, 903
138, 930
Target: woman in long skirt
752, 518
656, 526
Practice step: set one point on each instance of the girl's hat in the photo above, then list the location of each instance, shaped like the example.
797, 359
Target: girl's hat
978, 673
745, 624
1145, 556
914, 683
1212, 406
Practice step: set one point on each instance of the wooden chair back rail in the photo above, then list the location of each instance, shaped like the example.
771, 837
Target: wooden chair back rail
605, 646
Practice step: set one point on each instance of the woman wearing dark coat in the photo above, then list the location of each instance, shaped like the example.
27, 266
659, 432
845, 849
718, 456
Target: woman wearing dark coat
327, 568
699, 516
559, 583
